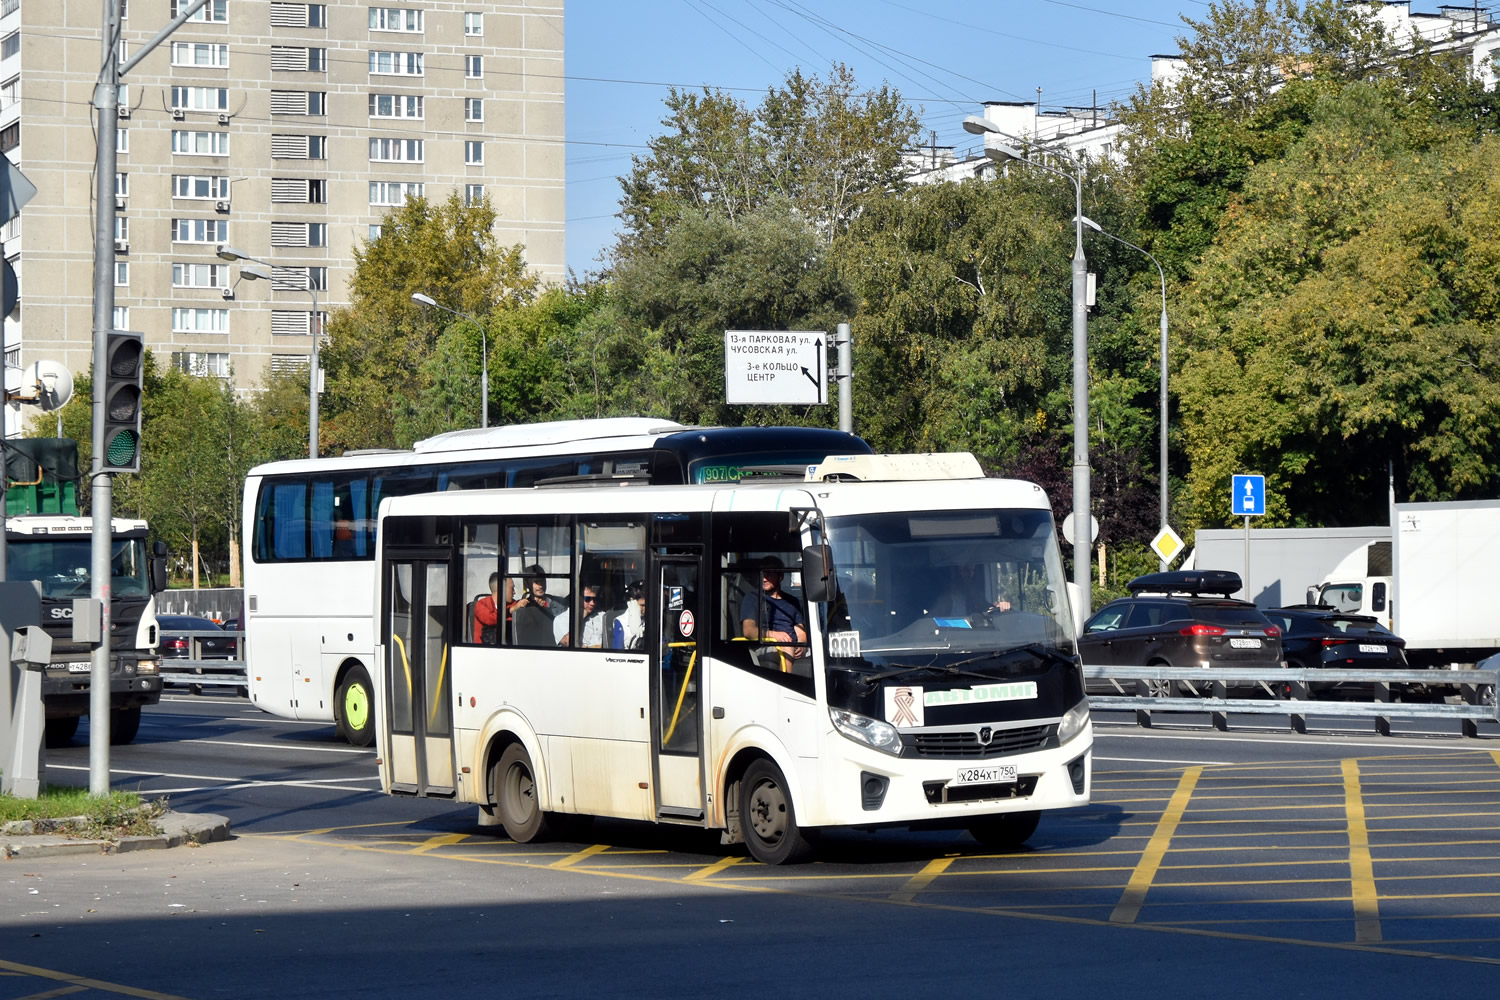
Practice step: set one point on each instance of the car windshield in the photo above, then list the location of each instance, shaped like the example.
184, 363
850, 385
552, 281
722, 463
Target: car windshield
938, 586
61, 565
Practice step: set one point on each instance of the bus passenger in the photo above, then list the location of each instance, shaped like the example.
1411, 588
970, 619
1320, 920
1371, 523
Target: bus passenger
536, 594
629, 629
487, 613
591, 622
772, 616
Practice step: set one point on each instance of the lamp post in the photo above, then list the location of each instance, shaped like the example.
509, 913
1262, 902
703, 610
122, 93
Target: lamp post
227, 252
1163, 275
484, 352
1082, 515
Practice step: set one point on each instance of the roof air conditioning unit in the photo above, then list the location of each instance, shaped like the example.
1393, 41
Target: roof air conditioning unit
228, 293
123, 110
223, 119
119, 204
221, 206
122, 246
178, 114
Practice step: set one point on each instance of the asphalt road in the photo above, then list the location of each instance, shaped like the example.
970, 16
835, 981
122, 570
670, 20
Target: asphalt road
1235, 865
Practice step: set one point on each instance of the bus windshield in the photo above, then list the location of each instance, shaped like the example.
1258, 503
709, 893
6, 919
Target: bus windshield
61, 566
945, 583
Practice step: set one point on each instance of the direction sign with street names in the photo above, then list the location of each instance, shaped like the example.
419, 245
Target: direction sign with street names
775, 366
1247, 496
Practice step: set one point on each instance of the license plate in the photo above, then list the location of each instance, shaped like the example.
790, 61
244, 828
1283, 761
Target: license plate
1244, 643
80, 668
990, 774
1369, 647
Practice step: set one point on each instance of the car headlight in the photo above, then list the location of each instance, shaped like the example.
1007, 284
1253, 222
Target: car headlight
863, 729
1073, 722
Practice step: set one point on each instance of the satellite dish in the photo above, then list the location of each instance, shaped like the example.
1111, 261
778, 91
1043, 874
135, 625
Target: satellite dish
47, 384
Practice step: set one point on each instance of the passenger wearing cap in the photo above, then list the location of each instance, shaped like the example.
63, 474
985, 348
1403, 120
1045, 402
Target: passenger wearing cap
771, 616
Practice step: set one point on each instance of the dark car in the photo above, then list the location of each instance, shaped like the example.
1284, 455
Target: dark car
176, 646
1318, 635
1179, 619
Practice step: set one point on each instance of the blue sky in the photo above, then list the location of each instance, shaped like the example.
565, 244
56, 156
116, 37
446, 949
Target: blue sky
946, 56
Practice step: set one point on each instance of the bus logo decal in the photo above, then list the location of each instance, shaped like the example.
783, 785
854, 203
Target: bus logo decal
1015, 691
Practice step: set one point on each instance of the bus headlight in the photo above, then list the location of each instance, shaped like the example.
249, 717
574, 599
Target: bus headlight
863, 729
1073, 722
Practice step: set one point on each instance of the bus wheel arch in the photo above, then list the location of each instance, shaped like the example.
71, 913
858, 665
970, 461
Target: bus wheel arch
752, 748
767, 815
354, 704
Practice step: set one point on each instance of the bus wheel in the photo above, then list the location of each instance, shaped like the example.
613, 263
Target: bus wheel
60, 731
123, 725
1005, 832
767, 817
515, 796
357, 708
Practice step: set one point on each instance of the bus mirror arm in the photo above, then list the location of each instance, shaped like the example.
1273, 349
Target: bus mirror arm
818, 583
158, 567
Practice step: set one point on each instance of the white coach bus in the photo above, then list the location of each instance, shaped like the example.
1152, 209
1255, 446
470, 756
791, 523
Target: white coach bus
887, 643
309, 532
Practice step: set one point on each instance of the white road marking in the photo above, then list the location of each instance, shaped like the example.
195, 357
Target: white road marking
236, 781
1160, 760
279, 746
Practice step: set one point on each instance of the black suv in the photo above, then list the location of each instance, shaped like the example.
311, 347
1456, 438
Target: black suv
1318, 635
1179, 619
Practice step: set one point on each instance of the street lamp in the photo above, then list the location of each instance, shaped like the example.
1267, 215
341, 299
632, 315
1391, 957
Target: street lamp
227, 252
484, 352
1082, 515
1163, 274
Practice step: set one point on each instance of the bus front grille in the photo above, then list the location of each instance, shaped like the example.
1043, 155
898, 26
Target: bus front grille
967, 744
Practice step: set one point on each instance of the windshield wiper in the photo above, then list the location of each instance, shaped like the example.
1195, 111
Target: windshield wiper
949, 671
1036, 649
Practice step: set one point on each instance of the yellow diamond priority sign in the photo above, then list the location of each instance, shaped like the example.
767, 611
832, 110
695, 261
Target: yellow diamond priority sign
1166, 544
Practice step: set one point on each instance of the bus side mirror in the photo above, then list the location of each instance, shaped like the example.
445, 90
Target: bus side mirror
158, 567
818, 583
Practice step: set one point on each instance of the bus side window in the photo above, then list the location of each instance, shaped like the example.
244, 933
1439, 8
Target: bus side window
484, 621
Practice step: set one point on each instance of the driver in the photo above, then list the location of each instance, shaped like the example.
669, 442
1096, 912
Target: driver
773, 616
965, 595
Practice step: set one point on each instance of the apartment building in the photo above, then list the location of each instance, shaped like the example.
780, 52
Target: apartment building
286, 129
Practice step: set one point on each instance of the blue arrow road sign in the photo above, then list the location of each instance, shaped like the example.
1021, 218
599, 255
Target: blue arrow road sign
1247, 497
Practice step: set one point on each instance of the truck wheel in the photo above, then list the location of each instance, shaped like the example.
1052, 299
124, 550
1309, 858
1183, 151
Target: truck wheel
123, 725
60, 731
356, 708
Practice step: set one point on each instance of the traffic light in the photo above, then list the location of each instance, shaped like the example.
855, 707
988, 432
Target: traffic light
125, 365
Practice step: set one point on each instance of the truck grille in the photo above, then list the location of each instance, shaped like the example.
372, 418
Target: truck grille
966, 744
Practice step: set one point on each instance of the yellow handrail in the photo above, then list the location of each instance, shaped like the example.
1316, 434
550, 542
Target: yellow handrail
682, 694
437, 694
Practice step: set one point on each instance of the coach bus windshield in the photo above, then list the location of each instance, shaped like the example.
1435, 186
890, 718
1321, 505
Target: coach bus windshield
946, 583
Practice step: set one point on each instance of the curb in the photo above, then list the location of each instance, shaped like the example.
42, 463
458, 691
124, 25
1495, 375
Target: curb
177, 829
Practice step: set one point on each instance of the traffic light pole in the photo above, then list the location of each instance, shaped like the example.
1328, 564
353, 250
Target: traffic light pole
106, 101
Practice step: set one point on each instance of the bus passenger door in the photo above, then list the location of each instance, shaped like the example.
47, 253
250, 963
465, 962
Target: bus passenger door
417, 650
679, 639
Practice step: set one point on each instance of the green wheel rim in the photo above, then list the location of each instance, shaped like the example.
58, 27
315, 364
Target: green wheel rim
356, 707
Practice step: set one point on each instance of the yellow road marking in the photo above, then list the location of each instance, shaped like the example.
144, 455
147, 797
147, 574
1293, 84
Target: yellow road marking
583, 855
712, 870
1129, 906
432, 843
83, 983
922, 879
1361, 869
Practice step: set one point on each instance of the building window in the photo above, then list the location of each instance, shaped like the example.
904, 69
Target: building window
10, 91
317, 15
200, 230
200, 98
299, 190
396, 19
296, 59
203, 364
396, 150
200, 143
122, 185
122, 317
215, 11
317, 147
299, 234
122, 140
473, 152
299, 279
10, 137
473, 109
298, 147
299, 15
10, 45
396, 106
474, 67
200, 186
122, 273
122, 228
200, 54
317, 234
396, 63
317, 191
200, 275
289, 364
473, 194
374, 232
193, 320
394, 192
473, 22
299, 102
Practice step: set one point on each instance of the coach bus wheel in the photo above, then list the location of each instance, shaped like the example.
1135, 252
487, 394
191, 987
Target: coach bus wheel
768, 819
1005, 832
515, 796
60, 731
123, 725
356, 706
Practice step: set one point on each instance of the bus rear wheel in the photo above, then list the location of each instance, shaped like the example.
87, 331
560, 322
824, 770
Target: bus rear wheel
356, 708
767, 818
516, 801
1005, 832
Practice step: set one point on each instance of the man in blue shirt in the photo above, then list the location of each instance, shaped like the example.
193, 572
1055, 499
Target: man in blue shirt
771, 616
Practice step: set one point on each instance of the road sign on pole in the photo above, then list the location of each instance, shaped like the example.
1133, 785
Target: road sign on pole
1247, 497
1167, 544
775, 366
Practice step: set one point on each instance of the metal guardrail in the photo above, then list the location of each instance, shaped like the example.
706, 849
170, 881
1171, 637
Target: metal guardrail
1476, 688
197, 671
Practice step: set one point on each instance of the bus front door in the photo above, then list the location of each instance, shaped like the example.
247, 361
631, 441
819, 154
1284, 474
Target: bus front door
420, 719
680, 640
